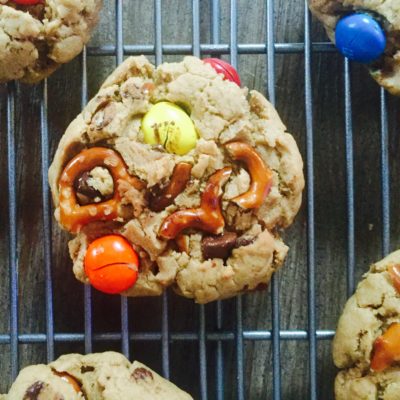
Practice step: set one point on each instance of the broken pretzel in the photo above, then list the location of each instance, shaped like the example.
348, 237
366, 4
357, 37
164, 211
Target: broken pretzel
260, 174
180, 178
208, 217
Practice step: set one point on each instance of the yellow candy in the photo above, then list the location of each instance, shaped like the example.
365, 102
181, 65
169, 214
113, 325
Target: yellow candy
169, 125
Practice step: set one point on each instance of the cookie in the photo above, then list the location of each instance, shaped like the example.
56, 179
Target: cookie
36, 38
386, 15
197, 174
101, 376
367, 341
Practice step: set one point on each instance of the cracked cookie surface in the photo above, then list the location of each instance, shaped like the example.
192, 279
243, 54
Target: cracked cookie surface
386, 71
100, 376
222, 113
368, 314
36, 39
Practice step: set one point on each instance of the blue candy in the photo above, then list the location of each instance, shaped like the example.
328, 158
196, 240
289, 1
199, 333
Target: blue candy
360, 38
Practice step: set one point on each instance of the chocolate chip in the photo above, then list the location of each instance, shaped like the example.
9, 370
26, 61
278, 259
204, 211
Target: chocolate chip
82, 186
142, 374
33, 391
86, 368
218, 246
260, 287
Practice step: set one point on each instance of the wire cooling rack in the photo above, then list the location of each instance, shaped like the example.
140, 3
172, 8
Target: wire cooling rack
212, 380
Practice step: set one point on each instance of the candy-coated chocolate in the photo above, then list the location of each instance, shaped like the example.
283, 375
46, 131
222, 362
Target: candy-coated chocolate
111, 264
168, 125
224, 68
386, 349
359, 37
28, 2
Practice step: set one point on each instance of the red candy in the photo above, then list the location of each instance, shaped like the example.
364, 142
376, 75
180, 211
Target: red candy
225, 69
28, 2
111, 264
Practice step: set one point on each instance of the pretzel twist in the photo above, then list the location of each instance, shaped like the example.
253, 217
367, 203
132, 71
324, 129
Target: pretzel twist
73, 215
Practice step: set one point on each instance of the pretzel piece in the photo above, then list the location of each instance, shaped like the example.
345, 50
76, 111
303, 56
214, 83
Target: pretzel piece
394, 272
72, 215
208, 217
69, 379
261, 175
180, 178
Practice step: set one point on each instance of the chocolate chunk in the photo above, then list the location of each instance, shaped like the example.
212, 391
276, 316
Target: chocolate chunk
34, 390
86, 368
260, 287
218, 246
160, 198
86, 193
242, 241
142, 374
82, 186
37, 11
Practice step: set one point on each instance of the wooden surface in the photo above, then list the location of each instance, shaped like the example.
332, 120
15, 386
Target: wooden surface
330, 206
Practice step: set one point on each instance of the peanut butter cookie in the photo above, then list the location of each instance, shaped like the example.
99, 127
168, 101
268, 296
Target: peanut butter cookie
176, 176
37, 36
101, 376
367, 342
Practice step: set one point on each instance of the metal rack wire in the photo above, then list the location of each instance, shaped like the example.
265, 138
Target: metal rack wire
311, 335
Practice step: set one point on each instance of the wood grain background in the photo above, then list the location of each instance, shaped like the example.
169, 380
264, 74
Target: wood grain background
64, 95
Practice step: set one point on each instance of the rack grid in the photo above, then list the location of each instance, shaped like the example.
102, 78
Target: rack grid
312, 334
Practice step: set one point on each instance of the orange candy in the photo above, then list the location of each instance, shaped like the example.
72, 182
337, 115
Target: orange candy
386, 349
111, 264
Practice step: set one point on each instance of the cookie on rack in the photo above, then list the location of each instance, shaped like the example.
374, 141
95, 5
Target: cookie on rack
367, 342
37, 36
176, 176
366, 31
108, 376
